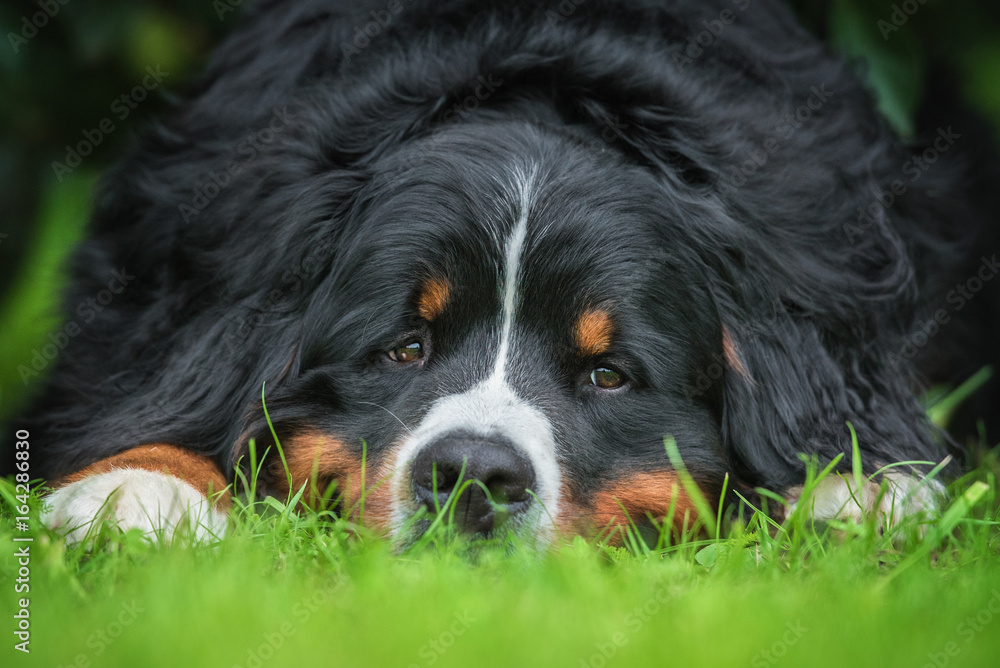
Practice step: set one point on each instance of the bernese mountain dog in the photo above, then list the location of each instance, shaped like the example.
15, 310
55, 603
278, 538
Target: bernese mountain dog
542, 252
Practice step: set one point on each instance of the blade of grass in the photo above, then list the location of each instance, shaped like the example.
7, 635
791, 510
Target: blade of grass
274, 435
958, 511
940, 413
705, 513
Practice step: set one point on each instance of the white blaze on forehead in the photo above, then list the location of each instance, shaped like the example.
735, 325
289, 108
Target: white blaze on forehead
492, 408
511, 271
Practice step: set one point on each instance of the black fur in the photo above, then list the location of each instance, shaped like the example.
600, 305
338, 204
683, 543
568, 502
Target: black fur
302, 269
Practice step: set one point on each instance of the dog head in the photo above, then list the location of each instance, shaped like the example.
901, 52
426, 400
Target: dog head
506, 306
520, 254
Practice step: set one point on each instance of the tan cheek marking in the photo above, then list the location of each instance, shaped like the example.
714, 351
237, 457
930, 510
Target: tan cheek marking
193, 468
433, 298
319, 459
640, 495
732, 354
593, 332
572, 518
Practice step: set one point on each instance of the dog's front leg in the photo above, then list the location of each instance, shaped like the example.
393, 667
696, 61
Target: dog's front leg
164, 490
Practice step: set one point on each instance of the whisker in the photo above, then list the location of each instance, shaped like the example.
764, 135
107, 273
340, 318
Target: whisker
371, 403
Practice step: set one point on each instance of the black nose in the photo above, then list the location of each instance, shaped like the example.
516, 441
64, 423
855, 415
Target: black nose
506, 473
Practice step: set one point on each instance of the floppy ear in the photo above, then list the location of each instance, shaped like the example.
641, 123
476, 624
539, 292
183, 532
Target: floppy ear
799, 389
790, 191
818, 322
812, 332
816, 316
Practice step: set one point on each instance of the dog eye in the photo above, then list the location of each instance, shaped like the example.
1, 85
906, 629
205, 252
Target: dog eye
407, 354
606, 379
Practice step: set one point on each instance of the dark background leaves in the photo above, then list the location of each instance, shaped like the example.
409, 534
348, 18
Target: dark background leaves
63, 80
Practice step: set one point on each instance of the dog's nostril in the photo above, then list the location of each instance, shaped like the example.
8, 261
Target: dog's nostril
448, 463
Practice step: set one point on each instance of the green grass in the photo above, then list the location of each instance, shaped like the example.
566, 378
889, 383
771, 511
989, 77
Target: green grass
287, 588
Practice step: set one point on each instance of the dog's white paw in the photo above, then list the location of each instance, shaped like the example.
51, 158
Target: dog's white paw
160, 505
836, 499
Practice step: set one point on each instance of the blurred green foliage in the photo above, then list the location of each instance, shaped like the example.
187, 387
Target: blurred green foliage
62, 67
62, 80
897, 44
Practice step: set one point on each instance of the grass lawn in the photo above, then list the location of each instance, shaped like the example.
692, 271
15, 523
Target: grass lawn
294, 589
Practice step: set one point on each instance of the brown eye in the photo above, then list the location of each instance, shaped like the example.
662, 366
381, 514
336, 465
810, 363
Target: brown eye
411, 352
606, 379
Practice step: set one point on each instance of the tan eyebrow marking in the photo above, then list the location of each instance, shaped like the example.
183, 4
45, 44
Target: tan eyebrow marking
593, 332
732, 354
433, 298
